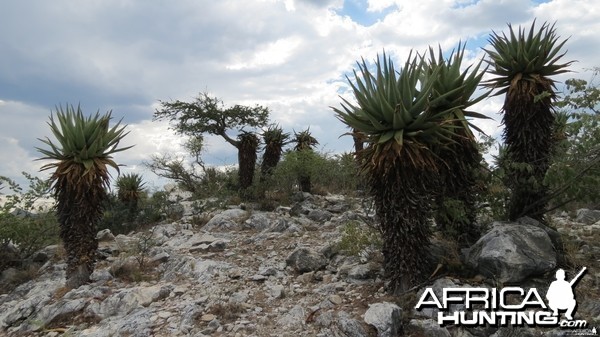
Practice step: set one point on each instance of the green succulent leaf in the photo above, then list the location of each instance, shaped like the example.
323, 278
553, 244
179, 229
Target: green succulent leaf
526, 54
80, 139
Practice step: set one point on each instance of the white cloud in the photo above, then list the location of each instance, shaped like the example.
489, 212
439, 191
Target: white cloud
289, 55
379, 5
269, 54
18, 159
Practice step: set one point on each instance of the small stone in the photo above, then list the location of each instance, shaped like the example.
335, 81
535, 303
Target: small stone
306, 277
239, 297
235, 273
267, 271
214, 324
204, 239
199, 248
217, 246
429, 327
161, 257
335, 299
207, 317
363, 271
258, 278
180, 290
587, 216
319, 215
164, 314
276, 291
105, 235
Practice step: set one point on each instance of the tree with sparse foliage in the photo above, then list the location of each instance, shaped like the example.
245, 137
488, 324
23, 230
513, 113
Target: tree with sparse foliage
187, 175
81, 155
574, 175
582, 96
522, 65
209, 115
23, 224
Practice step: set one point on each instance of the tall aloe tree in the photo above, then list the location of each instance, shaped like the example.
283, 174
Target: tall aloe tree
274, 139
129, 190
460, 161
305, 143
398, 161
82, 154
248, 145
522, 64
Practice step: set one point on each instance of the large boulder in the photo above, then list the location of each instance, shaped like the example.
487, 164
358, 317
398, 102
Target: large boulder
438, 289
511, 252
304, 260
349, 326
385, 317
257, 221
587, 216
319, 215
227, 219
427, 327
126, 300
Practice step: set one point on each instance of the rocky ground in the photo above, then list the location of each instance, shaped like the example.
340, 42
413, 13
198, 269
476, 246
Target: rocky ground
244, 272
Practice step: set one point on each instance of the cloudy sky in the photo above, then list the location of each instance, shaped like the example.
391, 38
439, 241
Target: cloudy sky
289, 55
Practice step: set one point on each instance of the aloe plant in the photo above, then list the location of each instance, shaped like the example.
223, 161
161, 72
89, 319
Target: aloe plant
129, 189
274, 139
521, 65
305, 142
399, 163
460, 161
248, 144
81, 155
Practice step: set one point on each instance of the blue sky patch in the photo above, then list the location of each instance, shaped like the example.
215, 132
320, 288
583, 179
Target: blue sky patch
357, 11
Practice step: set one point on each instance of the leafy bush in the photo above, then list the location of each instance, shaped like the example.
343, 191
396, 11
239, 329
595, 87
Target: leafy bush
333, 174
23, 225
119, 218
357, 237
574, 175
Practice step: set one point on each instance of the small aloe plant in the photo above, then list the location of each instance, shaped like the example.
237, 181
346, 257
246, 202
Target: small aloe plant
129, 189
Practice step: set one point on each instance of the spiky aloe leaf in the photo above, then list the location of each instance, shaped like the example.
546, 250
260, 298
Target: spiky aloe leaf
304, 140
129, 188
456, 86
524, 54
388, 101
81, 139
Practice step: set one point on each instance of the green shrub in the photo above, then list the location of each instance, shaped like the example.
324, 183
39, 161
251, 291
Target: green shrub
574, 176
121, 219
333, 174
22, 225
356, 237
